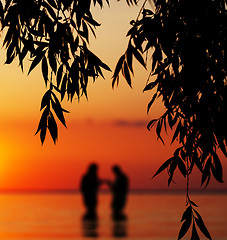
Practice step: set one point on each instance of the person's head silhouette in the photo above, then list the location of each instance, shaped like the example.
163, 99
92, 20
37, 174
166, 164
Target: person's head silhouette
93, 168
116, 169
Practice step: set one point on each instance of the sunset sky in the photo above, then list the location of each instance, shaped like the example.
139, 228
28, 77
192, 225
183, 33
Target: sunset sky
109, 128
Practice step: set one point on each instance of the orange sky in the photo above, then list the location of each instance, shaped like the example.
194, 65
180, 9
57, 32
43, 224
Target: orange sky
108, 129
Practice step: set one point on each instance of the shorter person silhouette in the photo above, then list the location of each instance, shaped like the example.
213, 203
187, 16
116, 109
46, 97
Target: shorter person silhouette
119, 190
89, 187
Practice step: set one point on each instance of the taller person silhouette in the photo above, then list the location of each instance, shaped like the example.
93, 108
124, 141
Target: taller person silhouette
120, 191
89, 187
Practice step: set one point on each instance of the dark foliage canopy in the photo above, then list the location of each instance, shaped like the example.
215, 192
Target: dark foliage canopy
55, 35
187, 43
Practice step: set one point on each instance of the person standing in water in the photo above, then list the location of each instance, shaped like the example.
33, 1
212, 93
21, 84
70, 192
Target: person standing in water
89, 187
119, 190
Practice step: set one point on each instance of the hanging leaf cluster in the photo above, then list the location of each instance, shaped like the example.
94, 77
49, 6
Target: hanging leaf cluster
53, 34
192, 219
187, 46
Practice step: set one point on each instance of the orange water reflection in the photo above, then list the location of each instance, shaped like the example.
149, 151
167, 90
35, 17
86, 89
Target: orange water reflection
150, 216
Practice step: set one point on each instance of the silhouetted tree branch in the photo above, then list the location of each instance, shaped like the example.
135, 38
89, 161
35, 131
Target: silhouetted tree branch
53, 34
187, 41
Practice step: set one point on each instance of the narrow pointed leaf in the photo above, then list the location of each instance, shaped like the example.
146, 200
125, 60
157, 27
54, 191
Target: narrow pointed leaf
118, 69
195, 235
151, 102
36, 60
187, 214
58, 110
59, 75
46, 99
52, 126
184, 228
127, 75
181, 166
150, 86
139, 57
201, 225
164, 166
151, 124
45, 69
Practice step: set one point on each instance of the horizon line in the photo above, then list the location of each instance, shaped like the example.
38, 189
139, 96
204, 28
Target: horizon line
136, 191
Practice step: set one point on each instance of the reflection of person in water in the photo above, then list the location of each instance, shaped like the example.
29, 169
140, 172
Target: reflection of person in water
119, 190
90, 227
89, 188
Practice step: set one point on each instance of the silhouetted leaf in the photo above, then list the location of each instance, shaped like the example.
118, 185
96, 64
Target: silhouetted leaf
103, 65
195, 235
91, 21
206, 171
222, 145
201, 225
197, 162
193, 203
172, 168
85, 30
183, 154
187, 214
184, 228
151, 102
118, 69
150, 86
100, 3
52, 61
151, 124
217, 168
43, 120
52, 126
129, 57
161, 67
10, 55
170, 120
8, 37
182, 167
127, 75
177, 131
36, 60
164, 166
159, 128
58, 109
43, 124
43, 134
92, 30
45, 69
46, 99
139, 57
157, 56
97, 61
63, 86
59, 75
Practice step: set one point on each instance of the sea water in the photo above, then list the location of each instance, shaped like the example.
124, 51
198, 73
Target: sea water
149, 216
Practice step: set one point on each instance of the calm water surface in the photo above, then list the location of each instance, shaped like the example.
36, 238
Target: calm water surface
150, 216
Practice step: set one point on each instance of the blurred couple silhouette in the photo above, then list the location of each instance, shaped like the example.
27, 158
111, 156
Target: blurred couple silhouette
90, 185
